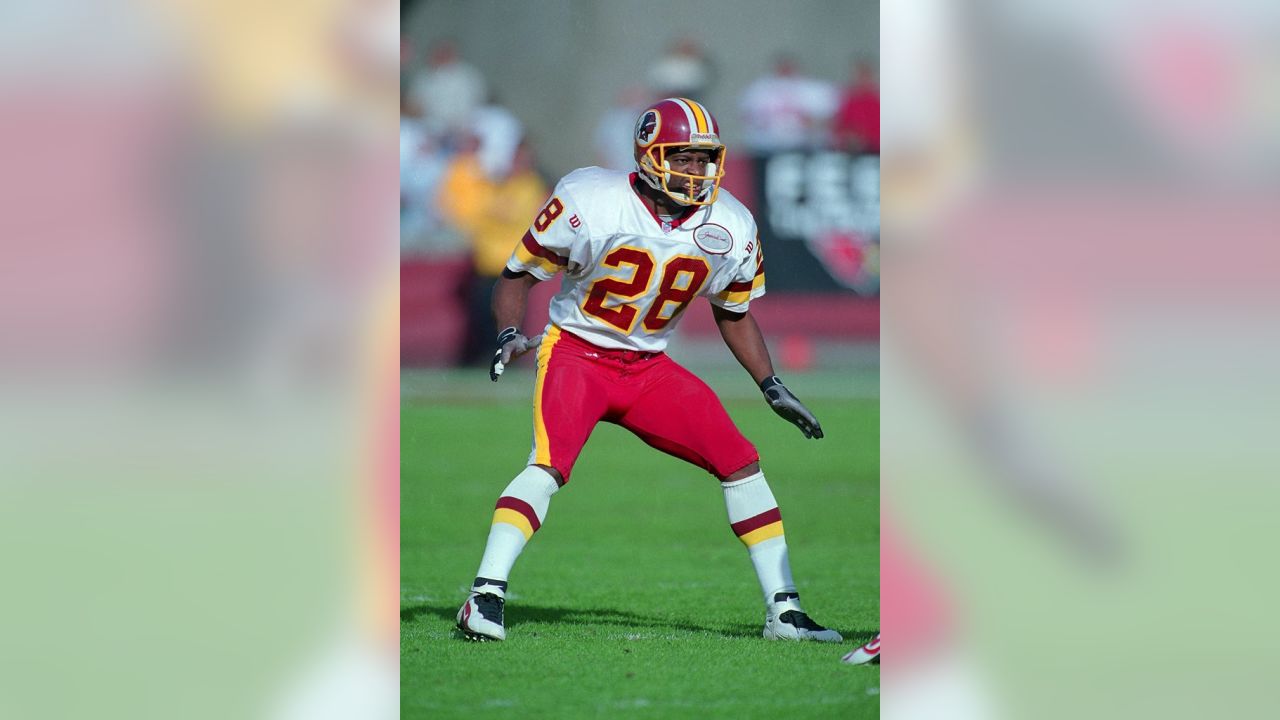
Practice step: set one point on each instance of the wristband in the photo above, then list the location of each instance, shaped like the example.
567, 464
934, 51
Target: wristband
770, 382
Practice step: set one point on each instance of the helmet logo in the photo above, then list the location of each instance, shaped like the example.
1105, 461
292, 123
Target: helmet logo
647, 128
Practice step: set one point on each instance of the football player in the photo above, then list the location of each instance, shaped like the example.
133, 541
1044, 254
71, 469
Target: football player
636, 249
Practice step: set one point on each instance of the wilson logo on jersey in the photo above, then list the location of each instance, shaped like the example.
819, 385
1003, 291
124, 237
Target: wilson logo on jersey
713, 239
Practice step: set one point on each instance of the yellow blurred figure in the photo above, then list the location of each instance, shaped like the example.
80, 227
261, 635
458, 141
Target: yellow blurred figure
493, 214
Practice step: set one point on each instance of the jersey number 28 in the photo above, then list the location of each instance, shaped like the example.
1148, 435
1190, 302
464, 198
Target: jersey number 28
679, 282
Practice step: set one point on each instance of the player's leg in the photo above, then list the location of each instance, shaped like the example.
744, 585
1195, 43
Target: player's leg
518, 514
757, 521
679, 414
569, 399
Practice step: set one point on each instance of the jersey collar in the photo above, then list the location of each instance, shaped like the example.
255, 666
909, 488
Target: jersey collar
663, 224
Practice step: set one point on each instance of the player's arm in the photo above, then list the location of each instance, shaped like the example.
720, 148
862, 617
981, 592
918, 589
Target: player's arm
510, 298
743, 336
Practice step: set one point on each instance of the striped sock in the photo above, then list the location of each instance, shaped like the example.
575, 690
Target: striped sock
517, 516
755, 519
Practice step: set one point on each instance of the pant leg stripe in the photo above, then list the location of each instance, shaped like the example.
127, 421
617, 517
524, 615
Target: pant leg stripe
541, 443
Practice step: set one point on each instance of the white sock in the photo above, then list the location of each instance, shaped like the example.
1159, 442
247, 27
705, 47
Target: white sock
755, 519
518, 515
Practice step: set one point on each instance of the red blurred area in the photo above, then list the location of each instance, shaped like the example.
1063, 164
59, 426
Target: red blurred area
433, 315
89, 271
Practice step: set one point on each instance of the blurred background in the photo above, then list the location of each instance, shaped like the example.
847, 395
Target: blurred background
199, 279
1079, 358
499, 100
198, 372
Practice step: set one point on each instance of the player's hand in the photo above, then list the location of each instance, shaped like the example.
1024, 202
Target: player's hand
511, 344
789, 407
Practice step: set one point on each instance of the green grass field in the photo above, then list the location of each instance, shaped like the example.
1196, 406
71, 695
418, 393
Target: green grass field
634, 600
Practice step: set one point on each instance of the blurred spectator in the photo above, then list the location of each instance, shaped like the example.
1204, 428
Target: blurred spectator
683, 71
856, 126
493, 213
499, 133
422, 164
785, 110
447, 90
615, 143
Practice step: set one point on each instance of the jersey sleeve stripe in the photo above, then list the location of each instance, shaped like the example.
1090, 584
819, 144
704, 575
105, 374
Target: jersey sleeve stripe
528, 262
537, 250
745, 285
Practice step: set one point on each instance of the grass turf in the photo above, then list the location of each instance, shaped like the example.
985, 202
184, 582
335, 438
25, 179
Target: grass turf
635, 600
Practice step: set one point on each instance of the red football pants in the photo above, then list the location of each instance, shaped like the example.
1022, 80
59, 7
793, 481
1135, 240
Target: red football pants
580, 384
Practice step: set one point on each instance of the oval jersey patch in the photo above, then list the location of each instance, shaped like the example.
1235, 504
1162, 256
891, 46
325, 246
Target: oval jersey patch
713, 239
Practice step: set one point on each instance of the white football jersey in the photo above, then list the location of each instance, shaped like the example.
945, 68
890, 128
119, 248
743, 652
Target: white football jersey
629, 275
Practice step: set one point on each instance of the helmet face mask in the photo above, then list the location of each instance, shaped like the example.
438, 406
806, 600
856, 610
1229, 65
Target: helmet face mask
672, 126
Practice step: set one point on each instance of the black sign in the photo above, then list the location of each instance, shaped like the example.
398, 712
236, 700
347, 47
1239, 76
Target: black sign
819, 219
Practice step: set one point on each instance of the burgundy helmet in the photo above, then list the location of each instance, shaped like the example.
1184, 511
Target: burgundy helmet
670, 126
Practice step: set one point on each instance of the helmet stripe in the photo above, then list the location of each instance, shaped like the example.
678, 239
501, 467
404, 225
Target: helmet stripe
688, 111
699, 114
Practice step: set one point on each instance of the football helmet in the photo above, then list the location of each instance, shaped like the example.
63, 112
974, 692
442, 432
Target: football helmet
670, 126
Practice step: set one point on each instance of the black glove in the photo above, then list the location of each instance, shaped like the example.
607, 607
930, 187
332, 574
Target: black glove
789, 407
511, 344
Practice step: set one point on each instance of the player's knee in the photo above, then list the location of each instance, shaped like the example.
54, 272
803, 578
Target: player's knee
745, 472
554, 474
